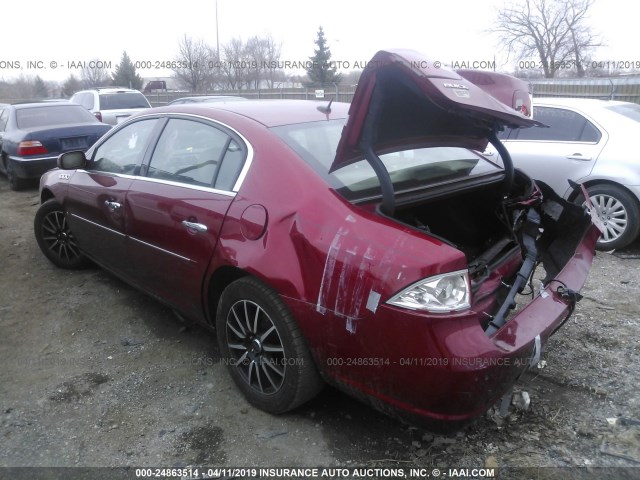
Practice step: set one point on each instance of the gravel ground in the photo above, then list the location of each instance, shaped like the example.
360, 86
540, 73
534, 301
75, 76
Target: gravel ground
95, 373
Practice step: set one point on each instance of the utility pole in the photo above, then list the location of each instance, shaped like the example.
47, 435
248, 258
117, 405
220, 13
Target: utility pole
217, 36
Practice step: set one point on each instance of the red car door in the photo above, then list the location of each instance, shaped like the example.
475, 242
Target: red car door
95, 202
177, 207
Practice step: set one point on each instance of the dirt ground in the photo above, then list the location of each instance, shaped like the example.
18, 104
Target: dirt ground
94, 373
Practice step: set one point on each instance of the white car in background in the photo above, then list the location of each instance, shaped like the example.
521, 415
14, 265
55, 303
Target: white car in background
590, 142
111, 105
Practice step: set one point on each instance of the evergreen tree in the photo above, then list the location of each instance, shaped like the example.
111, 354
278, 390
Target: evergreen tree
125, 74
40, 89
70, 86
321, 72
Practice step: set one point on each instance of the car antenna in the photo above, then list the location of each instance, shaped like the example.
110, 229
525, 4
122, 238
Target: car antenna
327, 109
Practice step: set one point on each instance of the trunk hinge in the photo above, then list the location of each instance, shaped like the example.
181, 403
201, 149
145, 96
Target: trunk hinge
506, 161
386, 185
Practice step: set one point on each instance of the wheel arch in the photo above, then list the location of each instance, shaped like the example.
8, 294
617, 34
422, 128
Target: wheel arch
45, 195
602, 181
218, 281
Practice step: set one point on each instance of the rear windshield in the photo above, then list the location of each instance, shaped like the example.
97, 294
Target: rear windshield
124, 100
630, 110
57, 115
409, 169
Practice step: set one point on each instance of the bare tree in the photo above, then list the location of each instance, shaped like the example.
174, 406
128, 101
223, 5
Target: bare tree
272, 57
235, 64
256, 53
194, 65
554, 31
263, 54
22, 88
94, 75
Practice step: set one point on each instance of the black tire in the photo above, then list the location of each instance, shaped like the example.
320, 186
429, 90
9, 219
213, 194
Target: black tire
15, 183
55, 239
619, 212
264, 350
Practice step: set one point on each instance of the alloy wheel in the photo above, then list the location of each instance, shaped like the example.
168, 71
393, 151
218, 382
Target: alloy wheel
256, 348
613, 215
58, 237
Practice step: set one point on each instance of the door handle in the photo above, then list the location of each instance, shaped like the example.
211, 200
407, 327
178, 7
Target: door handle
198, 227
578, 156
112, 206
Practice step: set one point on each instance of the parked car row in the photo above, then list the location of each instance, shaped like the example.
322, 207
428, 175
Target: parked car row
585, 141
370, 245
32, 135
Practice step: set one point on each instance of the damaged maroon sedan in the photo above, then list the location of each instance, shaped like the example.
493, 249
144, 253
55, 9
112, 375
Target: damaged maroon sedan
369, 246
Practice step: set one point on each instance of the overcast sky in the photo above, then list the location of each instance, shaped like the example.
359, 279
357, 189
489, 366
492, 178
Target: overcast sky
66, 31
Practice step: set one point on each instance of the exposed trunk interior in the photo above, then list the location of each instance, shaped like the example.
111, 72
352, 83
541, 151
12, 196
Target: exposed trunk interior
503, 237
470, 221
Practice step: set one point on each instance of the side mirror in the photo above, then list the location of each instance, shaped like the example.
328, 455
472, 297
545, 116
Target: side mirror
72, 160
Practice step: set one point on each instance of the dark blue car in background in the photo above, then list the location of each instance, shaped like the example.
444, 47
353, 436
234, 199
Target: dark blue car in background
32, 135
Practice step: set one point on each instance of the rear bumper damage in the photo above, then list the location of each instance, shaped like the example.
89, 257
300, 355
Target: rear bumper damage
447, 371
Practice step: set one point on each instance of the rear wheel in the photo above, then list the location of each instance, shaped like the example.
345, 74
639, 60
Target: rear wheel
15, 183
619, 213
264, 350
55, 238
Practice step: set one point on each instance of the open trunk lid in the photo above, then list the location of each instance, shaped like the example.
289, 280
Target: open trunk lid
404, 101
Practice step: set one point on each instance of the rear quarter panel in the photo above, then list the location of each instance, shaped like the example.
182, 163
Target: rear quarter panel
332, 262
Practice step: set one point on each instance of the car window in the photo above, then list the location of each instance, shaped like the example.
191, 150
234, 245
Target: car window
316, 143
84, 99
564, 126
189, 152
4, 117
89, 101
52, 115
231, 166
116, 101
123, 151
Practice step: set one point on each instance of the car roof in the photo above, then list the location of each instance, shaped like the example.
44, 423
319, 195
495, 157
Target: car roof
109, 90
21, 106
270, 113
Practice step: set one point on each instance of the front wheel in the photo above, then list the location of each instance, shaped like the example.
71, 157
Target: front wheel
264, 350
619, 213
55, 238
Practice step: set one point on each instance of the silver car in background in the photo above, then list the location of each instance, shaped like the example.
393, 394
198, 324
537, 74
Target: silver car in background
590, 142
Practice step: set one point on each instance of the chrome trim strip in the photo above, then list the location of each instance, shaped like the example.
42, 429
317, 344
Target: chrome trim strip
162, 250
132, 238
187, 185
108, 174
161, 181
98, 225
23, 159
